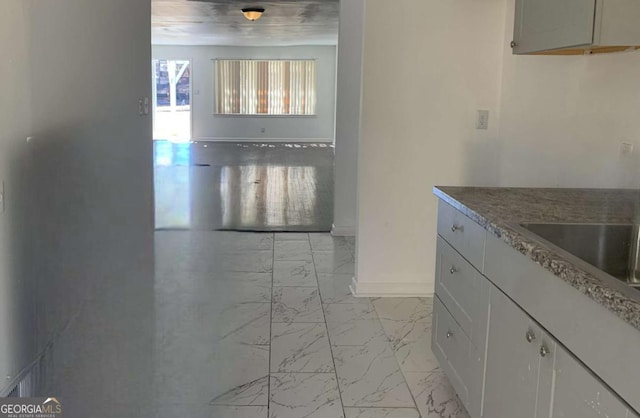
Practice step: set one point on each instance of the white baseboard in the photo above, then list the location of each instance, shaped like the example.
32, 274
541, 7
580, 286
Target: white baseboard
377, 290
261, 140
343, 231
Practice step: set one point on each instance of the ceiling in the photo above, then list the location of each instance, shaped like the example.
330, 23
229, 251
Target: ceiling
220, 22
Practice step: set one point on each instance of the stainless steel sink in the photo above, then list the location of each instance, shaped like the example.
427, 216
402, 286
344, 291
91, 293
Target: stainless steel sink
610, 248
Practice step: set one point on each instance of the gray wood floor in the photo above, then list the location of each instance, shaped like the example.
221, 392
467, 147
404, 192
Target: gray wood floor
244, 186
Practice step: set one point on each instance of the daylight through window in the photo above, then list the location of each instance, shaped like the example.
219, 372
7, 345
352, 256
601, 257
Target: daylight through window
265, 87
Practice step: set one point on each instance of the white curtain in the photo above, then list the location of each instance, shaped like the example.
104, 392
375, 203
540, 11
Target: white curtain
265, 87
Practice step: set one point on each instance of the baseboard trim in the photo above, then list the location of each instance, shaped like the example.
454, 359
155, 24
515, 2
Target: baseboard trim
261, 140
343, 231
379, 290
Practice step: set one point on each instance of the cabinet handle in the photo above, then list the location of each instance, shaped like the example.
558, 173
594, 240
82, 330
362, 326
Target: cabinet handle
514, 44
530, 336
453, 270
543, 350
449, 334
454, 228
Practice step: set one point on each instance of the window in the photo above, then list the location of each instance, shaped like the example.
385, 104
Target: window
265, 87
170, 75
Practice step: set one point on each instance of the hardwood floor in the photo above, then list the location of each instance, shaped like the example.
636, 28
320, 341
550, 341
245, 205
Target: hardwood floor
244, 186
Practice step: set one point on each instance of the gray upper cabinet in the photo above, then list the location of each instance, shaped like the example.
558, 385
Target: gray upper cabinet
575, 26
551, 24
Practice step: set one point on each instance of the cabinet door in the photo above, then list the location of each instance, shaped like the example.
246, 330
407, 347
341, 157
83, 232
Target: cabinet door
577, 393
451, 348
552, 24
513, 360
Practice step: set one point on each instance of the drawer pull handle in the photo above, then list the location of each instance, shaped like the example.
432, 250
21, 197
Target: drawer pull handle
453, 270
449, 334
530, 336
454, 228
543, 350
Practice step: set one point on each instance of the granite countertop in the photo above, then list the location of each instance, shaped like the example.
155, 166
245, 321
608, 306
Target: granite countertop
501, 210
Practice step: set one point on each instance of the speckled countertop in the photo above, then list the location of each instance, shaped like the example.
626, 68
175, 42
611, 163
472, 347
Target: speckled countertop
501, 210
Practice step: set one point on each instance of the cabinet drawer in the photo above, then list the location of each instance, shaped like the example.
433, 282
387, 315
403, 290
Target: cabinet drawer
466, 236
459, 287
451, 347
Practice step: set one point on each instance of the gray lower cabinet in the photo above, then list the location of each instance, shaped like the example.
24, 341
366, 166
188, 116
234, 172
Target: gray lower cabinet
460, 318
530, 375
459, 358
451, 347
463, 290
579, 394
501, 362
513, 361
466, 236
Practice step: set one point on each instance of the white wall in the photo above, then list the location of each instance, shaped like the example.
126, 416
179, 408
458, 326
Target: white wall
90, 172
425, 76
206, 125
348, 116
564, 117
17, 320
556, 121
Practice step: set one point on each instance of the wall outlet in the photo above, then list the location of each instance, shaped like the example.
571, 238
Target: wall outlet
482, 119
626, 148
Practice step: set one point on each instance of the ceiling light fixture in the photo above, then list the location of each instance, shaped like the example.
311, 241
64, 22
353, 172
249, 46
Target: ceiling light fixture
253, 13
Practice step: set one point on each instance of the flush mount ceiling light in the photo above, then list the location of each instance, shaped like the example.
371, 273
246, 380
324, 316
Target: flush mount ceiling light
253, 13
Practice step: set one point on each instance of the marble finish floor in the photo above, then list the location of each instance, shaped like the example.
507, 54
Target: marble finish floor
263, 325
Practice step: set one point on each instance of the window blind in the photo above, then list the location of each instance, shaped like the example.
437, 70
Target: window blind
265, 87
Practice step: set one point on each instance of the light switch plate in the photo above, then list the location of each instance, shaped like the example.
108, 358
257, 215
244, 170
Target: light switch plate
482, 119
2, 199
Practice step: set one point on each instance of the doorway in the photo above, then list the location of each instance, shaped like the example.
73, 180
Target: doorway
171, 100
